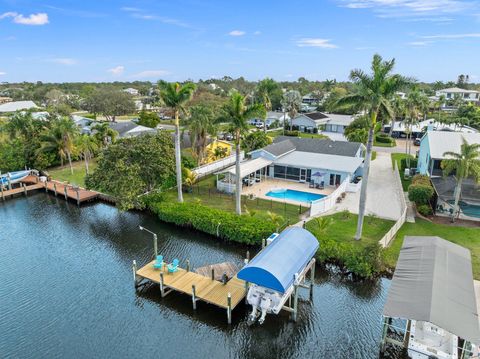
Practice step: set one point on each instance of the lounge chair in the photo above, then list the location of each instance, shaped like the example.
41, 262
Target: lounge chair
173, 267
158, 262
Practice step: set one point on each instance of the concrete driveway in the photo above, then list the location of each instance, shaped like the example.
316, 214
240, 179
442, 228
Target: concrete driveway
383, 194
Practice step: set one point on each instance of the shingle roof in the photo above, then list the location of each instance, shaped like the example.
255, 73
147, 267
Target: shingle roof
130, 129
280, 148
324, 146
17, 105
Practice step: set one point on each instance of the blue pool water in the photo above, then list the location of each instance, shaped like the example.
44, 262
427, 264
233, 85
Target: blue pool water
471, 210
293, 195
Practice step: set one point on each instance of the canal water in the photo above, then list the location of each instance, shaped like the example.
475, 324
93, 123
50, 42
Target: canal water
66, 291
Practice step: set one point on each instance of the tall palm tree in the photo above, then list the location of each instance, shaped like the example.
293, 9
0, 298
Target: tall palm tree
440, 102
265, 90
291, 103
237, 113
398, 107
60, 137
373, 94
416, 105
176, 96
201, 124
465, 164
87, 146
104, 133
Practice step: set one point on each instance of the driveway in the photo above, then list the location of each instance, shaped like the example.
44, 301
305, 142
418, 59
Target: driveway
383, 194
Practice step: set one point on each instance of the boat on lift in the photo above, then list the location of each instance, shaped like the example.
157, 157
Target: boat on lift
13, 177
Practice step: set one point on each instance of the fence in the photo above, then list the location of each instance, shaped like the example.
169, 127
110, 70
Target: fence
387, 238
326, 203
353, 187
213, 167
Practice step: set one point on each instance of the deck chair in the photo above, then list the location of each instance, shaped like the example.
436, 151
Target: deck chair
158, 262
173, 267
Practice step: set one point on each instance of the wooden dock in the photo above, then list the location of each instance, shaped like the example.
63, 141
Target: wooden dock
200, 287
67, 191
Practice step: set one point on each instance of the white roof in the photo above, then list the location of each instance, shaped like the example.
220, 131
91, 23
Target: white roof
17, 105
249, 166
400, 126
457, 90
320, 161
336, 119
441, 142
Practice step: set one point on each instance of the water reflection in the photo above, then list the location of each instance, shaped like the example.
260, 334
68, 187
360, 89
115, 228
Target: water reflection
67, 290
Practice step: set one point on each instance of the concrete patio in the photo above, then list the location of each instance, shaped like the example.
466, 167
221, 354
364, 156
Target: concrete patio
260, 189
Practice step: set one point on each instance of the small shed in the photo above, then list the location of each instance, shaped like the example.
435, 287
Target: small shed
276, 265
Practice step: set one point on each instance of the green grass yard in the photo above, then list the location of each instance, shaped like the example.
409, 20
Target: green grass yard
78, 178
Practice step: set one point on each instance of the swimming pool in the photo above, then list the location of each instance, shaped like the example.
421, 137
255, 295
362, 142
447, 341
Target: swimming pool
293, 195
471, 210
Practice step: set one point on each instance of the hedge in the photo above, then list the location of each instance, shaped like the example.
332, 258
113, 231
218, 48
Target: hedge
242, 229
403, 163
293, 133
384, 139
420, 193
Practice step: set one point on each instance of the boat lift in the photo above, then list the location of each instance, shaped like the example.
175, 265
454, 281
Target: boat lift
276, 273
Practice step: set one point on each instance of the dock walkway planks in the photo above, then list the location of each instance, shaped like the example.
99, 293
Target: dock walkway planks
207, 290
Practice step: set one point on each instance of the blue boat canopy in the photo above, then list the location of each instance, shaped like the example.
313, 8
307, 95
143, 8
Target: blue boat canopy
276, 265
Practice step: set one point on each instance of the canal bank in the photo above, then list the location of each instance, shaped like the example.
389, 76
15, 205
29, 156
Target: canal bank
68, 292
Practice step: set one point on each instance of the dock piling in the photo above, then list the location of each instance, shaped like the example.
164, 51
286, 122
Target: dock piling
78, 198
24, 189
229, 308
263, 243
54, 188
188, 265
295, 303
46, 188
194, 297
134, 270
155, 245
162, 289
213, 273
65, 191
1, 189
248, 256
312, 279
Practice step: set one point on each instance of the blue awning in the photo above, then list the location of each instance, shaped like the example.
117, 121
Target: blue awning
275, 266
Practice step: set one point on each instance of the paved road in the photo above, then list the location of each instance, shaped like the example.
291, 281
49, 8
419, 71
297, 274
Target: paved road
383, 196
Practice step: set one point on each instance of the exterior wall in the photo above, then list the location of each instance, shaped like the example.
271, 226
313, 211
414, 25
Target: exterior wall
334, 128
326, 177
424, 156
304, 121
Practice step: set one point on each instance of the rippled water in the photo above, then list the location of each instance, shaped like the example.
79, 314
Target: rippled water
66, 290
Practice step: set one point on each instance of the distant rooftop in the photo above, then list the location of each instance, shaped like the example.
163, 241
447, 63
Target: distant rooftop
17, 106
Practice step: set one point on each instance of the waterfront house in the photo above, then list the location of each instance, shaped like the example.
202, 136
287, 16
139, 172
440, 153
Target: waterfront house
131, 129
314, 121
310, 162
418, 130
131, 91
14, 106
465, 95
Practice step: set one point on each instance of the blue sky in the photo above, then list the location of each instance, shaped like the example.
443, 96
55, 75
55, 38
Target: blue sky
103, 40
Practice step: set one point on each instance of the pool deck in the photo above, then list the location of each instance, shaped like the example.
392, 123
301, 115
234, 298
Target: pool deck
261, 189
226, 296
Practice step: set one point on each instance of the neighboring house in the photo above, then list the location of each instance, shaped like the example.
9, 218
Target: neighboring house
17, 106
272, 117
466, 95
418, 130
131, 91
83, 123
131, 129
313, 121
435, 143
298, 159
402, 95
310, 99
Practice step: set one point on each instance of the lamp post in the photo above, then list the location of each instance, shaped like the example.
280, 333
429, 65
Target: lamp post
155, 242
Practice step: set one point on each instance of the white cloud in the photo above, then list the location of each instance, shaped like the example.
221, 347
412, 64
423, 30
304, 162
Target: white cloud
316, 42
117, 70
419, 43
151, 74
63, 61
452, 36
33, 19
130, 9
237, 33
2, 73
257, 32
411, 8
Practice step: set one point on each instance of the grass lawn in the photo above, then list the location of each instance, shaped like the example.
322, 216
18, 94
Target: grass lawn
206, 194
345, 224
382, 144
466, 237
78, 177
397, 157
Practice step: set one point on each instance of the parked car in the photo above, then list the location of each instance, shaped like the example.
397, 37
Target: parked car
416, 141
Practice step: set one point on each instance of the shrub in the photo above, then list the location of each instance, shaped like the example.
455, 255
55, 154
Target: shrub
384, 138
424, 210
420, 193
403, 163
293, 133
242, 229
421, 179
374, 155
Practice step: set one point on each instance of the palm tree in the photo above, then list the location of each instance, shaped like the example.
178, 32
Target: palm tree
201, 124
465, 164
440, 102
104, 133
276, 219
291, 103
373, 94
398, 107
87, 146
237, 113
176, 96
60, 138
322, 224
265, 90
416, 104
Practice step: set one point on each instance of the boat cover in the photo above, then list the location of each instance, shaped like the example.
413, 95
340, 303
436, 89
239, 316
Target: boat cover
14, 176
433, 282
275, 266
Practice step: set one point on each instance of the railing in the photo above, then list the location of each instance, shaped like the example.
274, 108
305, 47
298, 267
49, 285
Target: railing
353, 187
326, 203
387, 238
226, 187
212, 167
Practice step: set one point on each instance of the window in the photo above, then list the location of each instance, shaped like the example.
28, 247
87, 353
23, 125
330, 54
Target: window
293, 173
279, 171
335, 179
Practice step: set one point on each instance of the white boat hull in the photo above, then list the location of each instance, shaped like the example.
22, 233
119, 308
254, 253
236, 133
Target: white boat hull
428, 340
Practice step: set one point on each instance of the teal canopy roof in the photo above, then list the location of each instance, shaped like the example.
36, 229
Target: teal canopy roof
276, 265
